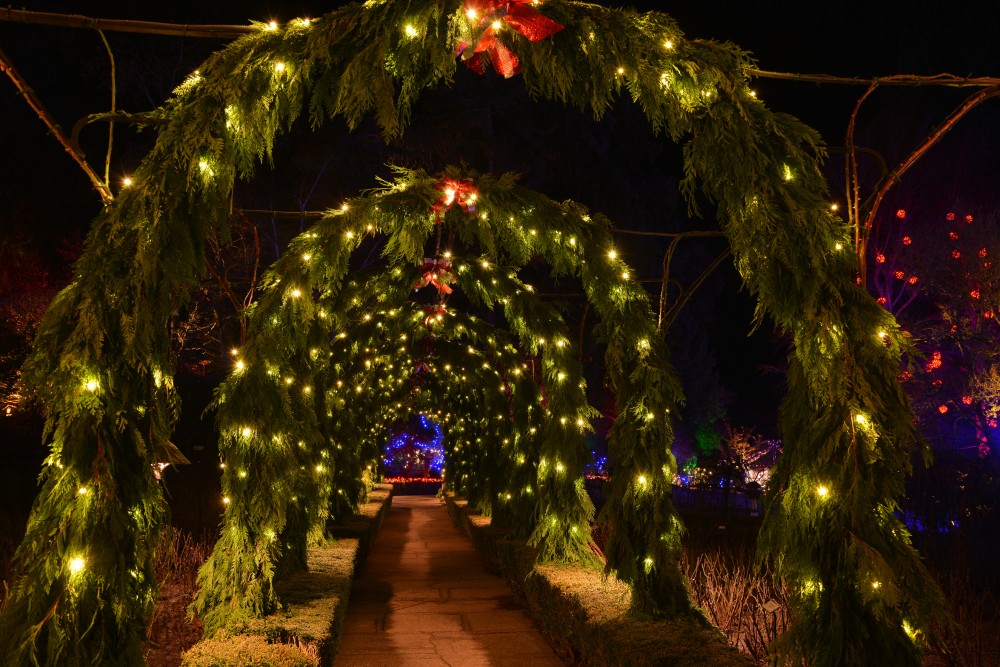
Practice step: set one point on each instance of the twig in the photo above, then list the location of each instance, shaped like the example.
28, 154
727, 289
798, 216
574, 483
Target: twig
282, 214
114, 108
935, 136
116, 25
948, 80
36, 105
668, 235
675, 310
122, 116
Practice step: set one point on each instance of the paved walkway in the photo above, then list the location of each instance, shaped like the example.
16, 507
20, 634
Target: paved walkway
425, 598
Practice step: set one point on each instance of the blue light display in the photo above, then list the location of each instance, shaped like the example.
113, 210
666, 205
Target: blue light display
415, 449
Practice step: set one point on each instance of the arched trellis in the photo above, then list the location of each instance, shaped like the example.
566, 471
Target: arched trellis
513, 225
493, 404
101, 365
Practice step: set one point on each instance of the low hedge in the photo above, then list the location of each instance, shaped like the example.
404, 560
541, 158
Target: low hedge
306, 633
585, 615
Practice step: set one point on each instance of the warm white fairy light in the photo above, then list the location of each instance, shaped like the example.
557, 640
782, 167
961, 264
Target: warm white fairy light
126, 182
410, 30
279, 67
82, 490
273, 25
76, 565
822, 491
92, 385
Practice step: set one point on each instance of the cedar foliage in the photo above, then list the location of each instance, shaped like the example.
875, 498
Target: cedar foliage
370, 337
101, 364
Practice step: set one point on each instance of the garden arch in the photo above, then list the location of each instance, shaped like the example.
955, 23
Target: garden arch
273, 399
101, 365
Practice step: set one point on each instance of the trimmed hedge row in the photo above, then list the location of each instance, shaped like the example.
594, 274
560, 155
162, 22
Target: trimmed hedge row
584, 615
307, 632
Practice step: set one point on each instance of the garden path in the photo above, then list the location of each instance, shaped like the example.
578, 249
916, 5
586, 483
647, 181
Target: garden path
424, 598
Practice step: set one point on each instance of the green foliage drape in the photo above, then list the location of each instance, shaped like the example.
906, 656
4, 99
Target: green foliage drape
101, 364
368, 322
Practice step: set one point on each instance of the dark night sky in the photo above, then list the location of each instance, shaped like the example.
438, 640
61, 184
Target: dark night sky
68, 69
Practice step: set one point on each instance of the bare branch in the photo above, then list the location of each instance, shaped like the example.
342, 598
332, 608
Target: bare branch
36, 105
116, 25
913, 80
115, 116
114, 108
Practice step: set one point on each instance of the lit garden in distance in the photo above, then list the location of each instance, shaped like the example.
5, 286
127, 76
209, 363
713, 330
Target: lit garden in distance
447, 327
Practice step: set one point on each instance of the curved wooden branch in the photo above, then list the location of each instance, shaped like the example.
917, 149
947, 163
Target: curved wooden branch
904, 166
116, 25
112, 117
36, 105
675, 310
114, 108
914, 80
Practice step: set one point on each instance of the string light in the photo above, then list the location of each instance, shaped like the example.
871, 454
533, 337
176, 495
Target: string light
76, 565
822, 491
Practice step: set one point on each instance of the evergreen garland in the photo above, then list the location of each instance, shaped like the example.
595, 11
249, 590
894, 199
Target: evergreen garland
307, 291
101, 363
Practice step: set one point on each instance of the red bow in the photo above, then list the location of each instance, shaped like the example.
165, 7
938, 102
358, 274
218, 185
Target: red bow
434, 314
518, 15
439, 277
463, 192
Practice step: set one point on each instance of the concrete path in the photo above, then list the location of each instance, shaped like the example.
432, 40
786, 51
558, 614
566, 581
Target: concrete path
425, 598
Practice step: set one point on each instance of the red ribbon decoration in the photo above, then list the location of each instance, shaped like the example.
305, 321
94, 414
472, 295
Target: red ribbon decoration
434, 314
520, 16
463, 193
438, 278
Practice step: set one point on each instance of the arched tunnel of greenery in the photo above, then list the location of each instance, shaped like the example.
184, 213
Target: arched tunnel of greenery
327, 356
101, 365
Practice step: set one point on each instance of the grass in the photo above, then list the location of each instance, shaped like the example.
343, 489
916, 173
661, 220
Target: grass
585, 616
307, 632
